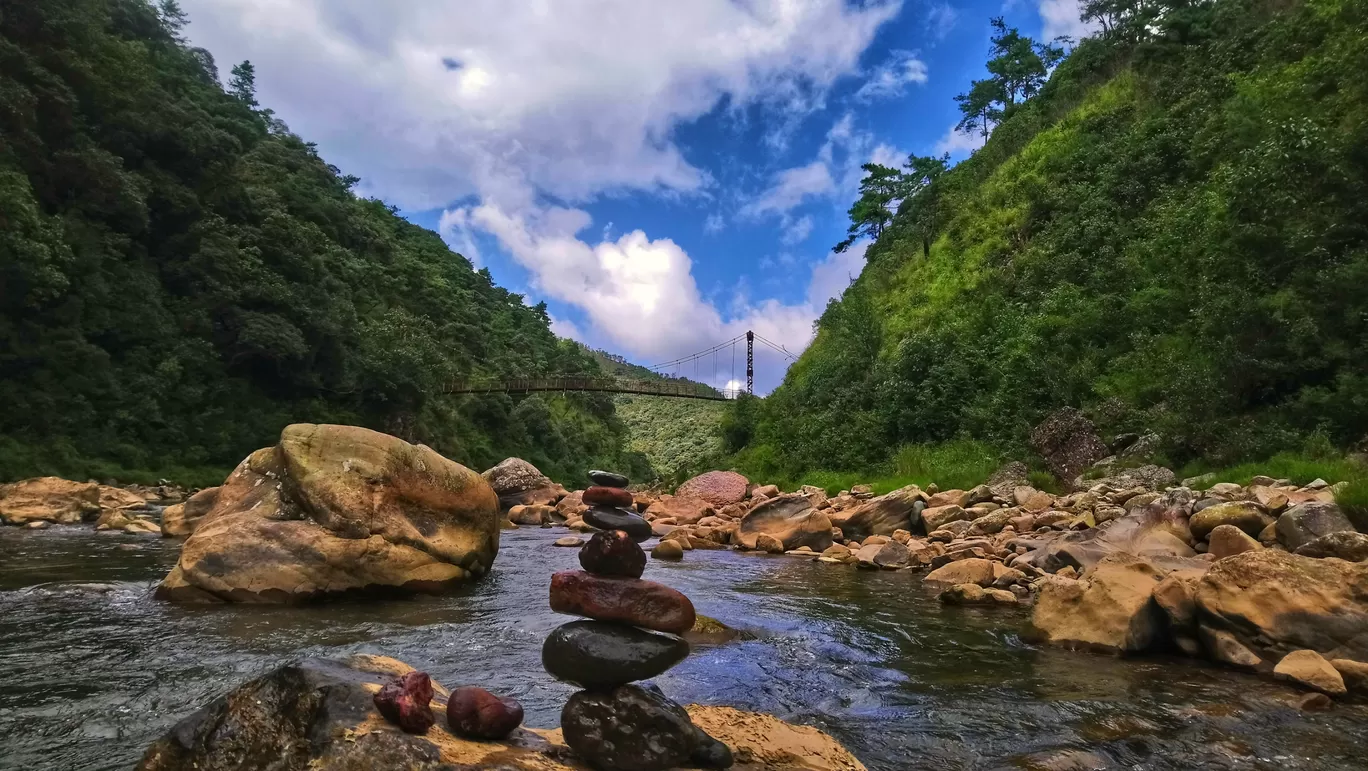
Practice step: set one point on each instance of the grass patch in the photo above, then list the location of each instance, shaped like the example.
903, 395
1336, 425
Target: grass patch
1353, 501
1044, 480
958, 464
1299, 468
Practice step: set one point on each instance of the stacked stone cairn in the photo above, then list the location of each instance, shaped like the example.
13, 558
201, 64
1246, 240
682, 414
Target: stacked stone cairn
615, 724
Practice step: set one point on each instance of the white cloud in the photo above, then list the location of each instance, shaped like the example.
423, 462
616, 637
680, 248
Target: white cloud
831, 276
1060, 18
959, 143
797, 231
890, 78
714, 224
941, 19
791, 187
454, 227
566, 328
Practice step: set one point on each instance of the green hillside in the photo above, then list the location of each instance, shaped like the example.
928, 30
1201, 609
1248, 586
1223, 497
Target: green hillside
1172, 234
181, 276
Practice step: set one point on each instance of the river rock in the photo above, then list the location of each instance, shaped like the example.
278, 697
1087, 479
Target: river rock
1354, 674
406, 702
1112, 611
333, 509
791, 520
1228, 540
1158, 533
626, 600
1345, 545
882, 515
532, 515
599, 655
49, 499
181, 519
613, 553
1271, 601
668, 550
973, 570
605, 518
602, 495
889, 556
1306, 522
608, 479
568, 541
1311, 670
630, 728
1249, 517
718, 488
518, 482
935, 518
479, 714
684, 510
318, 714
1068, 443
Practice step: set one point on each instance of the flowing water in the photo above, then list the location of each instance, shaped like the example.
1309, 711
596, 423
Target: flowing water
92, 669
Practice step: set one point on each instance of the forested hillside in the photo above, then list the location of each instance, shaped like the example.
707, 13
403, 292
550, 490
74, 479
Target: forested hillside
180, 277
1170, 232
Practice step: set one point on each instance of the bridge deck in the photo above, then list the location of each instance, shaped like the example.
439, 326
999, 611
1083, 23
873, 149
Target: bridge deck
681, 389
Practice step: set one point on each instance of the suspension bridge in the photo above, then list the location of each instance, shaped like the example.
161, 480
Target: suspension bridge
674, 377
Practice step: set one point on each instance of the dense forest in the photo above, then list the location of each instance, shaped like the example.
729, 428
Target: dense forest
1167, 227
181, 276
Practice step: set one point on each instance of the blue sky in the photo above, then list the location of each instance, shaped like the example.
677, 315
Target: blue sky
663, 174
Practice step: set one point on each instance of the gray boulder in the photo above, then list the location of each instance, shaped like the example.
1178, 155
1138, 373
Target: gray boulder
1306, 522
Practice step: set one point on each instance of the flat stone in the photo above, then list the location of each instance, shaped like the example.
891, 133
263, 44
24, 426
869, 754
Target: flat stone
629, 728
608, 479
1345, 545
606, 518
613, 553
626, 600
602, 495
479, 714
1309, 668
601, 655
569, 540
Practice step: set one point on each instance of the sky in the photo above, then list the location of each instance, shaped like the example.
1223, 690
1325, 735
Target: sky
663, 174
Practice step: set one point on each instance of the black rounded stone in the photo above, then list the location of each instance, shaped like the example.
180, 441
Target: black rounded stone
628, 729
600, 655
609, 518
710, 753
607, 478
613, 553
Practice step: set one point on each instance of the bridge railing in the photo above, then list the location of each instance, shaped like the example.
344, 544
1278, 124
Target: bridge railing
681, 388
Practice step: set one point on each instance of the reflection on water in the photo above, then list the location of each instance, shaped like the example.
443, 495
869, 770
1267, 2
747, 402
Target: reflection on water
92, 669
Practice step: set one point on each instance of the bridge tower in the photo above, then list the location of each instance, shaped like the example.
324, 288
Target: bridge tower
750, 362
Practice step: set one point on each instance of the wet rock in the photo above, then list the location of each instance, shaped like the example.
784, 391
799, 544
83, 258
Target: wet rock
966, 571
1067, 760
332, 509
479, 714
605, 518
38, 524
1112, 611
1310, 669
569, 541
630, 728
684, 510
1228, 540
1068, 443
406, 702
518, 482
769, 544
608, 478
182, 519
613, 553
710, 753
531, 515
1306, 522
881, 515
718, 488
1354, 673
1244, 515
626, 600
599, 655
973, 594
50, 499
889, 556
791, 519
668, 550
1345, 545
1315, 702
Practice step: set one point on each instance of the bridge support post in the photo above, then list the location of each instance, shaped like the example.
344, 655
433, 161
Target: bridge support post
750, 362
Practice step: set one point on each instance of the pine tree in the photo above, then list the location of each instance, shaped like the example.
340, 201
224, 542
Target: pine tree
243, 83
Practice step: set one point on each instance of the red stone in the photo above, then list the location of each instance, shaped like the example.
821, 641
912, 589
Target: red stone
479, 714
719, 488
613, 553
608, 496
632, 601
407, 702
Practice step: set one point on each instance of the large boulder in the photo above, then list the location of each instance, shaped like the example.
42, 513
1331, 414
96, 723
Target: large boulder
719, 488
1151, 533
883, 515
182, 518
319, 715
1271, 602
1305, 523
1068, 443
335, 509
519, 483
683, 509
53, 499
1245, 515
1344, 545
790, 519
1111, 610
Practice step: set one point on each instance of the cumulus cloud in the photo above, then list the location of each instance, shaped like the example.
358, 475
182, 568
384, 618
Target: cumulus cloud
797, 231
454, 227
1060, 18
959, 143
893, 76
714, 224
791, 187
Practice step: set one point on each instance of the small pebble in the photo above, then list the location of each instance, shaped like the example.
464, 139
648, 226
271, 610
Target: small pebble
407, 702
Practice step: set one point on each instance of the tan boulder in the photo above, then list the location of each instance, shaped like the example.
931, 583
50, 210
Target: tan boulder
1112, 610
1247, 516
1031, 499
182, 518
882, 515
788, 518
518, 482
572, 506
139, 526
973, 594
889, 556
333, 509
1271, 498
973, 570
112, 519
1228, 540
50, 499
531, 515
1310, 669
718, 488
1354, 673
668, 550
1271, 601
764, 491
683, 509
769, 544
1344, 545
948, 498
938, 517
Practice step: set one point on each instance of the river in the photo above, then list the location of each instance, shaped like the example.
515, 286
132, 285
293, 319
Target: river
92, 669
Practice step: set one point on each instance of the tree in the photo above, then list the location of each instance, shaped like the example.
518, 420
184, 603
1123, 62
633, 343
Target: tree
1019, 64
243, 83
922, 198
173, 18
870, 214
978, 108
